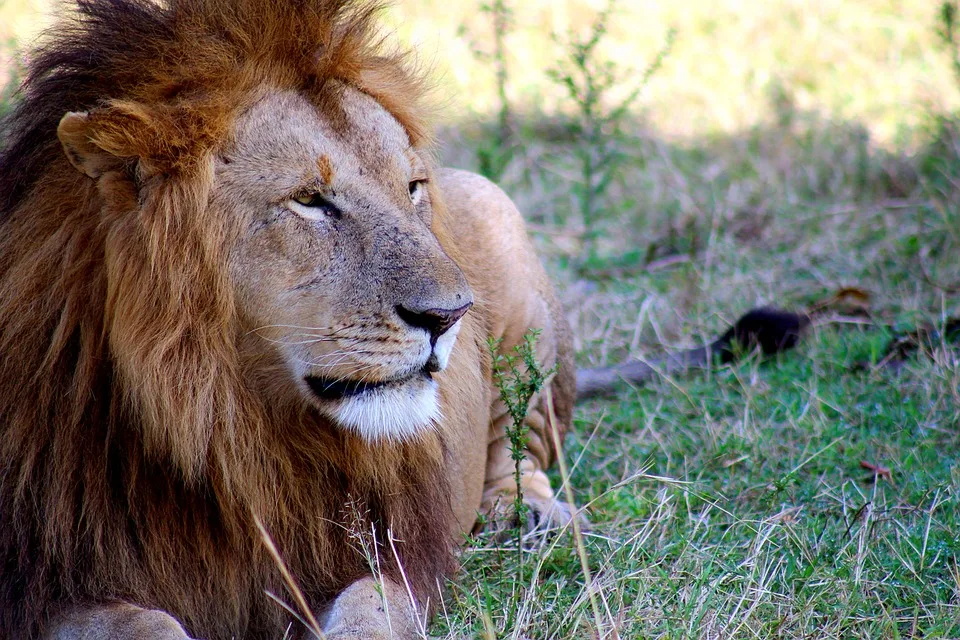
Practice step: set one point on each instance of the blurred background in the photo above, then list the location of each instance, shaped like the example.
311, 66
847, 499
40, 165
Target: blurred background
733, 61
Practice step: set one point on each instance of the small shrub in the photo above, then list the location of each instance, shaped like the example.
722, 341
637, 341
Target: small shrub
518, 377
939, 162
591, 84
948, 31
8, 91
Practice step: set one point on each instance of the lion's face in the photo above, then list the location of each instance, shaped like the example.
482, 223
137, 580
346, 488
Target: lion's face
346, 296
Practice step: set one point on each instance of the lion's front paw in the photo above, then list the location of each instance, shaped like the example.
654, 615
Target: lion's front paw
550, 514
371, 610
541, 516
117, 621
542, 513
358, 635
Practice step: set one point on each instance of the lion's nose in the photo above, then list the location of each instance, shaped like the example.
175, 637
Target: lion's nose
435, 321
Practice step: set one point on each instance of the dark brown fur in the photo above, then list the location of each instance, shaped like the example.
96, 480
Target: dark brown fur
141, 485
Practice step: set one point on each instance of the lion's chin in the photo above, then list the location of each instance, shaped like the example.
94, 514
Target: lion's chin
391, 412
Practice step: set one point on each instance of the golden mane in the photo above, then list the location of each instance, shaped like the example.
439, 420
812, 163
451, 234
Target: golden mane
133, 456
203, 58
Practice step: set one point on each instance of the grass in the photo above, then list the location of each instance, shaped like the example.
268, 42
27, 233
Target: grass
768, 526
732, 503
875, 61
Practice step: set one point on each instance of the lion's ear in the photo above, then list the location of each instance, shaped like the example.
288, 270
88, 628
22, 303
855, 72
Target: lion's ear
103, 139
76, 135
157, 139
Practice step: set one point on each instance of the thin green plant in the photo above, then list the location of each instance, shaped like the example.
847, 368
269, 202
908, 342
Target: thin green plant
940, 161
948, 32
592, 84
518, 378
9, 88
494, 155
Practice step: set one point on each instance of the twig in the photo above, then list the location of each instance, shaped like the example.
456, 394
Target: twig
575, 523
288, 579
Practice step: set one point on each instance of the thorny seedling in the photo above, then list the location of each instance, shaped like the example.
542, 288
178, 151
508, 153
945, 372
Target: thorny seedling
592, 84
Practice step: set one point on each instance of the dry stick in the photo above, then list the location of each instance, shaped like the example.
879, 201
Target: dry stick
771, 329
592, 382
577, 533
293, 613
377, 572
288, 578
421, 623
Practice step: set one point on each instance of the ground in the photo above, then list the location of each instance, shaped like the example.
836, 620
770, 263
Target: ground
735, 502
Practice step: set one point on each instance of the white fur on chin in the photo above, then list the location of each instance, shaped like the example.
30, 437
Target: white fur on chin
393, 413
397, 413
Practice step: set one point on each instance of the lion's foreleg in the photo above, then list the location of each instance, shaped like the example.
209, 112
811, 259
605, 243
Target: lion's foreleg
371, 610
118, 621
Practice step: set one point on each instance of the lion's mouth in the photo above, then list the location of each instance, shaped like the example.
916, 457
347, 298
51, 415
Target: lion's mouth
337, 389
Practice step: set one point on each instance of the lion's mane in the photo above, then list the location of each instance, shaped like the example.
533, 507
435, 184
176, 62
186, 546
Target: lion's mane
133, 458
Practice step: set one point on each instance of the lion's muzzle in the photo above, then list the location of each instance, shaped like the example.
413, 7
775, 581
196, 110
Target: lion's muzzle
442, 325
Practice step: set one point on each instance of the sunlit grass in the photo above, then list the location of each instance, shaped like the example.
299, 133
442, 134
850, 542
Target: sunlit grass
874, 61
732, 503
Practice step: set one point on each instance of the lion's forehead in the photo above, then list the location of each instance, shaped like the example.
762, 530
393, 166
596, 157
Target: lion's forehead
352, 135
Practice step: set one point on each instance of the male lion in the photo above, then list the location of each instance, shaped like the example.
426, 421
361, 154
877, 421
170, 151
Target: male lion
234, 291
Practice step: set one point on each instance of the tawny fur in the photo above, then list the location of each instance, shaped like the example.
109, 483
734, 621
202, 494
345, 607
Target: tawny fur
135, 451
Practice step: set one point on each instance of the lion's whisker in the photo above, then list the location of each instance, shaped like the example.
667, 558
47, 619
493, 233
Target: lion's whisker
321, 330
341, 355
292, 342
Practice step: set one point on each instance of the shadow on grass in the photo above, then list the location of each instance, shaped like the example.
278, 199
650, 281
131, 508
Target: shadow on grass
668, 196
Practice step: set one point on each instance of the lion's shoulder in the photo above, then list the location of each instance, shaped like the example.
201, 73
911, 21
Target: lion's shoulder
513, 291
488, 229
478, 202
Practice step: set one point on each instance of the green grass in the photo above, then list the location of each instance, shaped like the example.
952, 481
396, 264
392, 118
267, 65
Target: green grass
767, 527
732, 503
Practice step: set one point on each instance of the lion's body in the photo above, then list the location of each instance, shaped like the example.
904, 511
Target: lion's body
156, 397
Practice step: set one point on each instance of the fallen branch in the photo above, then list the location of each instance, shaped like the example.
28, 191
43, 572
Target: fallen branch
769, 329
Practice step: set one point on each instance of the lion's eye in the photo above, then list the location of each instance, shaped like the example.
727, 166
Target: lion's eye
313, 206
417, 188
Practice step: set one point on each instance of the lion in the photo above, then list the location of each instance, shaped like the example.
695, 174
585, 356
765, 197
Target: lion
244, 321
